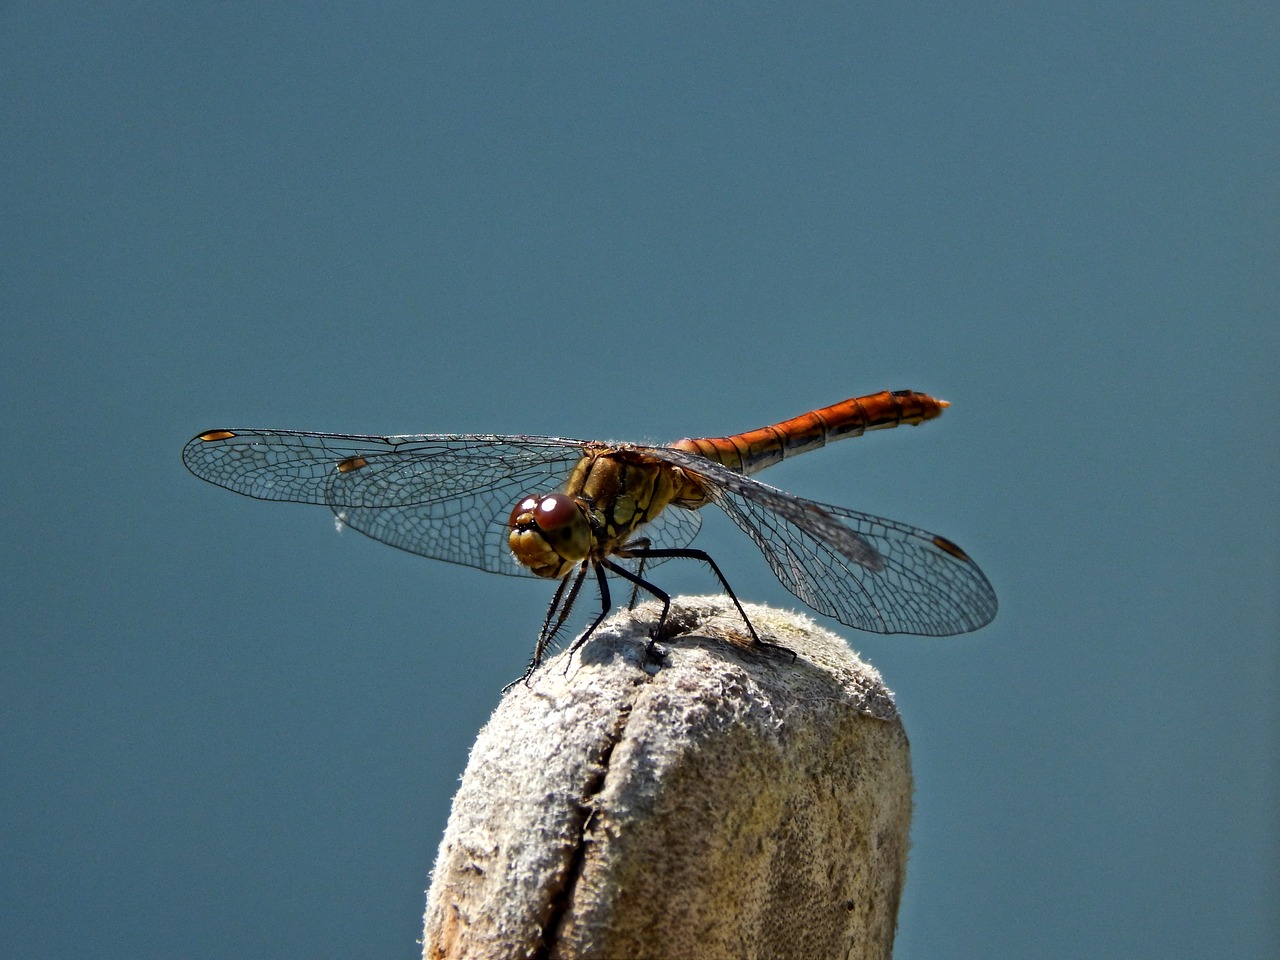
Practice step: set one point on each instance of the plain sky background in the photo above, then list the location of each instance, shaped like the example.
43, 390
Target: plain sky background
228, 731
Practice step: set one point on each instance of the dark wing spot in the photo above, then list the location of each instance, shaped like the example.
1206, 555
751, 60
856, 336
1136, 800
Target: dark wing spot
352, 463
216, 435
942, 543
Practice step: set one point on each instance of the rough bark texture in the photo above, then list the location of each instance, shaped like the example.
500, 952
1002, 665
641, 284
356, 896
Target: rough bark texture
708, 801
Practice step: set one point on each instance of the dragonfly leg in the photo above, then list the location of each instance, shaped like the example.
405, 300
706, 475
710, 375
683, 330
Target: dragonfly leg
561, 606
689, 553
641, 545
636, 583
606, 604
567, 593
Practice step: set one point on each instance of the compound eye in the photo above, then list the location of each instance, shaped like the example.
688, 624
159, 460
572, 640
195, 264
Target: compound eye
520, 515
554, 512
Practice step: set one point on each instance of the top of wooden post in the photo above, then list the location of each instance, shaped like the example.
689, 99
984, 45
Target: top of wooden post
716, 800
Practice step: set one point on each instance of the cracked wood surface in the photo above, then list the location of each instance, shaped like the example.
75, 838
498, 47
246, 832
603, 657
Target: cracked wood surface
713, 801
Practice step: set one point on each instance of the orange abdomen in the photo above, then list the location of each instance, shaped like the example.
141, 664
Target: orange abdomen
757, 449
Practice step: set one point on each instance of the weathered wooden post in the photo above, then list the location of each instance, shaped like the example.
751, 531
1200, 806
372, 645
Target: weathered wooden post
713, 801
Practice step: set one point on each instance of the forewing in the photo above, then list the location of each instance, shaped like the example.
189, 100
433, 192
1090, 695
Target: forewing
443, 496
867, 572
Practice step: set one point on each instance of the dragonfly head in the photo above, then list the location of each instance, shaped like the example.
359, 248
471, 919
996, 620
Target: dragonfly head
549, 534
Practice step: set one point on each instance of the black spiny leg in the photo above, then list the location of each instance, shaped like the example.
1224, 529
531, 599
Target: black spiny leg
562, 602
606, 604
636, 583
561, 607
639, 549
641, 546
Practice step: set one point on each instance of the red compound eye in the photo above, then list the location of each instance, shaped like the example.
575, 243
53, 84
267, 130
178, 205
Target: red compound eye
554, 512
522, 509
550, 513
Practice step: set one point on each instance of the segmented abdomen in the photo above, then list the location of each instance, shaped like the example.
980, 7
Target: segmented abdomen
756, 449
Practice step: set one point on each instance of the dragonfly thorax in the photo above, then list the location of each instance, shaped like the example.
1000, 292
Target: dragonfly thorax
550, 534
611, 493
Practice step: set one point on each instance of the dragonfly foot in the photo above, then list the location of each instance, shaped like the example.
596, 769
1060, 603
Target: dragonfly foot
526, 678
654, 652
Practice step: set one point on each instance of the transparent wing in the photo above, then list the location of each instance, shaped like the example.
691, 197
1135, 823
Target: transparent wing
869, 573
441, 496
673, 527
446, 496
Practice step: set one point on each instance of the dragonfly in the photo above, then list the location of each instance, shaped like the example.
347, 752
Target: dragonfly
562, 509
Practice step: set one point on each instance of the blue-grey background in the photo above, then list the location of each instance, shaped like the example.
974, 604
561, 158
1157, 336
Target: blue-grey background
228, 731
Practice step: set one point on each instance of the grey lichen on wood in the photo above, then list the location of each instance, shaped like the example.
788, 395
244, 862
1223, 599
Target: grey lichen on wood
704, 799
